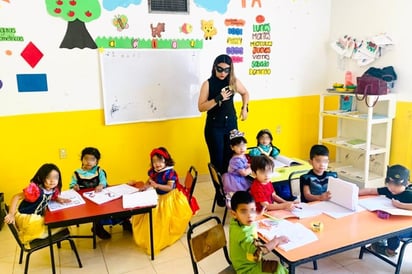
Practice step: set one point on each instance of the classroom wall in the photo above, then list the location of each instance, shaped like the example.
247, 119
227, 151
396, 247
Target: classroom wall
363, 20
296, 57
31, 140
69, 115
36, 125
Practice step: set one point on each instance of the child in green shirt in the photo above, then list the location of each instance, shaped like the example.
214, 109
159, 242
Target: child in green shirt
246, 251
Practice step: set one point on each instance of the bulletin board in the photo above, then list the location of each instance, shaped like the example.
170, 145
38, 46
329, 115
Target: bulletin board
149, 85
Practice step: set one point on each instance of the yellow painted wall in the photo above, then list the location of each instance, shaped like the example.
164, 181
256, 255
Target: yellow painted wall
28, 141
401, 149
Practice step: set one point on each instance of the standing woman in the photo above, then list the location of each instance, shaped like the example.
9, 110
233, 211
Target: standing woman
216, 97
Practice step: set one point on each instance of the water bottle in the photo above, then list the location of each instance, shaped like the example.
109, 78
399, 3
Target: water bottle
348, 78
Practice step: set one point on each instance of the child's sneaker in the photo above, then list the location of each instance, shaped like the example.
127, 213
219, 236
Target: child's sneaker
101, 232
127, 226
382, 249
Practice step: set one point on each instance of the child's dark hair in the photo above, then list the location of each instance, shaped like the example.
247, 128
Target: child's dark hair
318, 150
162, 153
263, 132
238, 140
240, 197
91, 151
40, 177
261, 162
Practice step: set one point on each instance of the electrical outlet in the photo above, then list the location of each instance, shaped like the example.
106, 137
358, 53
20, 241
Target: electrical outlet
62, 153
278, 129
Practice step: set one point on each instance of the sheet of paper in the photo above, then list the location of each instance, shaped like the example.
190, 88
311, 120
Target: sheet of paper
384, 204
122, 189
139, 199
304, 211
104, 196
297, 233
75, 200
343, 193
334, 210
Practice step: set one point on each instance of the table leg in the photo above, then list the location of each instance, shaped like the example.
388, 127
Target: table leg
291, 269
94, 234
51, 251
151, 234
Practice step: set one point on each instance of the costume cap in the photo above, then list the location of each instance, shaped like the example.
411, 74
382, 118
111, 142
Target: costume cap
397, 174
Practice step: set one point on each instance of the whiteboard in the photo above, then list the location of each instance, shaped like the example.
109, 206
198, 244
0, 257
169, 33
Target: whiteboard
149, 85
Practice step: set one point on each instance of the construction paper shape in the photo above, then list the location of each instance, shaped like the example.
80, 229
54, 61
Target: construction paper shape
31, 54
31, 82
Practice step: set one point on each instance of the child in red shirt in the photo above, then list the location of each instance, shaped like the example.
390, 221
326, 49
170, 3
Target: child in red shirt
262, 189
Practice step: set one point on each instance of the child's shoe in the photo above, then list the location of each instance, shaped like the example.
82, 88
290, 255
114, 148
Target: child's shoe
127, 226
101, 232
382, 249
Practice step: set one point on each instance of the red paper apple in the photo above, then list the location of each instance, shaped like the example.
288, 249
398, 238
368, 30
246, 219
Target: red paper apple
57, 10
88, 13
59, 2
73, 2
71, 13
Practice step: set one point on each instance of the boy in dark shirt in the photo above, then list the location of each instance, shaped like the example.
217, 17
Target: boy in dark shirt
314, 184
398, 189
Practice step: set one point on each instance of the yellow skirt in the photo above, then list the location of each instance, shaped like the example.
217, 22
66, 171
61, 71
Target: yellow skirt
170, 220
31, 226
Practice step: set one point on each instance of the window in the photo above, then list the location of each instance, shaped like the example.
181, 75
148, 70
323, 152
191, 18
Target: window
173, 6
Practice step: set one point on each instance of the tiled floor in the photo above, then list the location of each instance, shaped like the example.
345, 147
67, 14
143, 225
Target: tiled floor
121, 255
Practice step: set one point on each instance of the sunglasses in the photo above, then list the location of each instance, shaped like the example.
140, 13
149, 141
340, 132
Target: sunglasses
220, 69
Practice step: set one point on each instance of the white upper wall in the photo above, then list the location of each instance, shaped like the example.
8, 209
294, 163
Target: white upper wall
363, 19
298, 59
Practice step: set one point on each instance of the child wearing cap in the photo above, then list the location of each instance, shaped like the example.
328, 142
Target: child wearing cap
236, 177
264, 145
399, 190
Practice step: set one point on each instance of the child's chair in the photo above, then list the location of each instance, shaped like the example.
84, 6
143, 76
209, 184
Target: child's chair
38, 244
188, 189
207, 241
220, 195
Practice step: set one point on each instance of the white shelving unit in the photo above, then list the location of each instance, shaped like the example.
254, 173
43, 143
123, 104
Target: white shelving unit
362, 138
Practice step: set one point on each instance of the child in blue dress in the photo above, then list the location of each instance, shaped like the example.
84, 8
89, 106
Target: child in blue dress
237, 176
27, 208
172, 214
264, 145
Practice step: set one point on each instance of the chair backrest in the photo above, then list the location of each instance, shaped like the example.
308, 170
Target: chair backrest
14, 230
190, 180
295, 175
208, 241
216, 178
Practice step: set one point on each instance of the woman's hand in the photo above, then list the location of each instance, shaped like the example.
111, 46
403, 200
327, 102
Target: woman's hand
243, 114
226, 93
